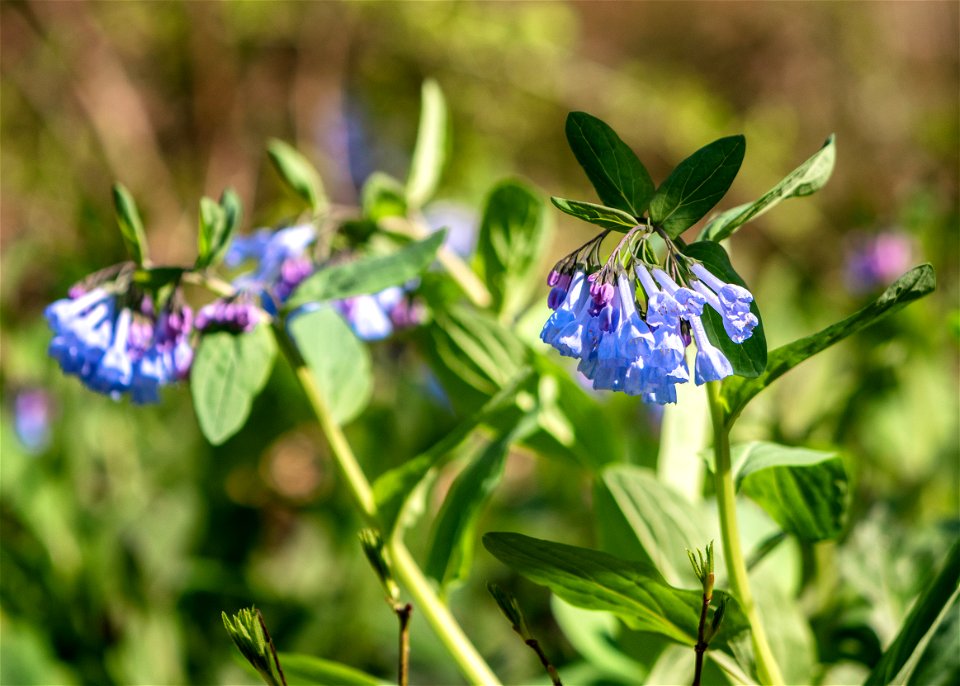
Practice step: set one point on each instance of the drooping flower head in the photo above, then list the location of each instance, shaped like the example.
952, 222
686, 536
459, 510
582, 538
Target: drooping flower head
282, 262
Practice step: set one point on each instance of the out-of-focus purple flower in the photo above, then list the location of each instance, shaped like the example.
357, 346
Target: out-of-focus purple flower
282, 262
872, 262
460, 221
374, 317
237, 315
32, 414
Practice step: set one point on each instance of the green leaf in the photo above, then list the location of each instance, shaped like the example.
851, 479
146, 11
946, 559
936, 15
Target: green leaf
210, 237
696, 185
616, 173
642, 515
249, 634
915, 284
633, 591
297, 172
228, 372
510, 244
806, 179
307, 670
131, 226
338, 361
392, 488
368, 274
383, 196
430, 152
804, 491
921, 618
749, 358
940, 661
604, 217
452, 540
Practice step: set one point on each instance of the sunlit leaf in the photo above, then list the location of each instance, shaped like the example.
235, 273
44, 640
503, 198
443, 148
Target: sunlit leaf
297, 172
604, 217
131, 226
430, 151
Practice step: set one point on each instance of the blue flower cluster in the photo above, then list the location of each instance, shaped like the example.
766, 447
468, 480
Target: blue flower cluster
597, 319
114, 349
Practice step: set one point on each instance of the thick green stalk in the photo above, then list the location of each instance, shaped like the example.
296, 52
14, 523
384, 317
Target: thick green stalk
768, 670
404, 567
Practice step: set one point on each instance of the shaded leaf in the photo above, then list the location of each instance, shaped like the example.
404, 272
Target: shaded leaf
806, 179
368, 274
605, 217
383, 196
737, 392
339, 362
939, 664
696, 185
131, 226
749, 358
620, 179
307, 670
430, 151
228, 372
299, 174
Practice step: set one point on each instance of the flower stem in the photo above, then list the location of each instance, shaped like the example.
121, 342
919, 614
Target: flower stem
405, 568
768, 670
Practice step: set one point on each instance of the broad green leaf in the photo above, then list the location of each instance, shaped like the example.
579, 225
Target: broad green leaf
696, 185
452, 541
430, 151
131, 226
616, 173
297, 172
604, 217
921, 618
632, 590
392, 488
368, 274
307, 670
213, 224
510, 244
737, 392
228, 372
662, 524
804, 491
338, 361
940, 661
749, 358
383, 196
806, 179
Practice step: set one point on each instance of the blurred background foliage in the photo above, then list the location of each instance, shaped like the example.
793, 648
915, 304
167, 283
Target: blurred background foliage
124, 534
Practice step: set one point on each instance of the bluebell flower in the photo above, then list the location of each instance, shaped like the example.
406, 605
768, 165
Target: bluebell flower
730, 300
282, 262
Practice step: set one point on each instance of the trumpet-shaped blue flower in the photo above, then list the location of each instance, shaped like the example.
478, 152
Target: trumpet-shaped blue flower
730, 300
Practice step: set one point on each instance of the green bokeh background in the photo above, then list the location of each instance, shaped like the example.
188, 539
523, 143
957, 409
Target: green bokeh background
126, 536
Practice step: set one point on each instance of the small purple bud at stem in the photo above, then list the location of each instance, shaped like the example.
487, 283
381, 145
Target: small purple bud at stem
553, 278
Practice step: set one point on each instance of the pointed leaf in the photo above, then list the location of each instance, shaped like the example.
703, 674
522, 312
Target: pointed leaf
696, 185
430, 151
131, 226
338, 361
915, 284
804, 491
228, 372
633, 591
307, 670
806, 179
749, 358
368, 274
616, 173
510, 244
604, 217
213, 225
297, 172
940, 661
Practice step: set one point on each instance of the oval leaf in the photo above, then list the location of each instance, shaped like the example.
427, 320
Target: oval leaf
297, 172
696, 185
616, 173
228, 372
368, 274
605, 217
430, 151
806, 179
749, 358
804, 491
339, 362
633, 591
131, 226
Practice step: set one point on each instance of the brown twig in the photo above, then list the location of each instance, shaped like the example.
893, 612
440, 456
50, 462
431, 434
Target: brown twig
551, 670
701, 647
403, 614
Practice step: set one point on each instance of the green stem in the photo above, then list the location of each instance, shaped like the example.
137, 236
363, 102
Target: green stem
767, 669
405, 568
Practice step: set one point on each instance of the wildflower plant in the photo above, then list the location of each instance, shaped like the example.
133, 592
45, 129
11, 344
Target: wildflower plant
643, 317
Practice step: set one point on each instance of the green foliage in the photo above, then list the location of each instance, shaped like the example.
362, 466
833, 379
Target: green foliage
510, 245
368, 274
217, 224
131, 226
228, 372
429, 154
307, 670
806, 179
249, 634
383, 196
696, 185
337, 360
620, 179
634, 591
604, 217
299, 175
749, 358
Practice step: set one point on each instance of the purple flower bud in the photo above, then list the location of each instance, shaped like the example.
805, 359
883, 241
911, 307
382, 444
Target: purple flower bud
553, 278
556, 297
